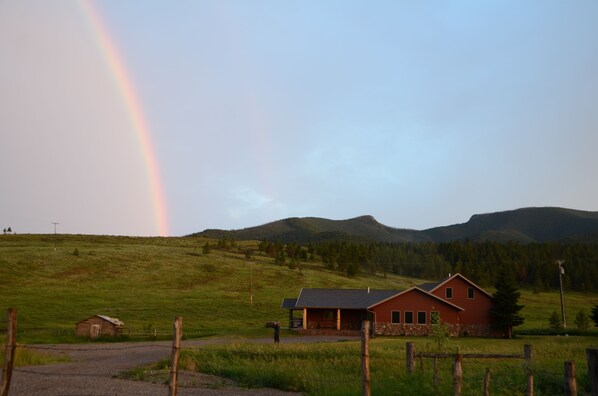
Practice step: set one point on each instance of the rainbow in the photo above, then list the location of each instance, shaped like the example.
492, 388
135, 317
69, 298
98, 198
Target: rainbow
134, 109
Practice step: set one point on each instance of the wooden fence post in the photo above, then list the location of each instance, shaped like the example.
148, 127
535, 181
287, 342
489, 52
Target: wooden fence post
487, 382
365, 357
457, 375
527, 353
592, 355
570, 381
176, 350
410, 357
9, 356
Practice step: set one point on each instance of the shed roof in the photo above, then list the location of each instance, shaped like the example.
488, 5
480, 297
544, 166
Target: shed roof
114, 321
342, 298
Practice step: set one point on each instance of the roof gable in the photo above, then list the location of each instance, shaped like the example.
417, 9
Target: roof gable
449, 279
417, 289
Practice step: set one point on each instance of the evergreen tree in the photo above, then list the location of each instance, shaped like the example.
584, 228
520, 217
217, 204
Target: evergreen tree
554, 322
582, 321
506, 310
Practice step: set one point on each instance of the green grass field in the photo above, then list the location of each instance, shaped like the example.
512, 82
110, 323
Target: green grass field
55, 281
335, 369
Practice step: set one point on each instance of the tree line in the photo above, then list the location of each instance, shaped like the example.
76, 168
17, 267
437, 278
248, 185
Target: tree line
533, 265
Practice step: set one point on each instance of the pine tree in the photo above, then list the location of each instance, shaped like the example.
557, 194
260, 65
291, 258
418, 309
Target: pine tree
582, 321
554, 322
506, 310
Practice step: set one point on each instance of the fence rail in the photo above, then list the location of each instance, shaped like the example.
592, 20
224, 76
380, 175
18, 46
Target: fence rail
568, 374
11, 346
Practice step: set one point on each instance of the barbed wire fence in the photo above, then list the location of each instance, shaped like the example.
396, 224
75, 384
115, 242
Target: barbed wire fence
11, 346
569, 374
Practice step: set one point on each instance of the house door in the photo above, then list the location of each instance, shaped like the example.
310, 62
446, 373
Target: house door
95, 331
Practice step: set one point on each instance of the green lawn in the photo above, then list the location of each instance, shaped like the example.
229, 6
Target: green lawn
55, 281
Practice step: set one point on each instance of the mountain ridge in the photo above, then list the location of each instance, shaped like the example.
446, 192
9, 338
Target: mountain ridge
526, 225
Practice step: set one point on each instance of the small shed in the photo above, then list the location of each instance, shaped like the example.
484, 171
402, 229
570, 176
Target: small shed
99, 325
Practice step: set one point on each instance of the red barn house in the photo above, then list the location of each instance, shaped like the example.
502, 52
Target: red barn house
456, 301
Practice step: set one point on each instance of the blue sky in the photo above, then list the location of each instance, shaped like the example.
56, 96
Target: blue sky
418, 113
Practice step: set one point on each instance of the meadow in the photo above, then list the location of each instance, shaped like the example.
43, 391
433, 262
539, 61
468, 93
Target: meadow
335, 369
54, 281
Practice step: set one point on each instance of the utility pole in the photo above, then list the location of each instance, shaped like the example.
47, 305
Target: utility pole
55, 224
251, 283
561, 274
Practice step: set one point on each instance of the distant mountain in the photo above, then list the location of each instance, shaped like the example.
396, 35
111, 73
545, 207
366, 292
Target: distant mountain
315, 229
521, 225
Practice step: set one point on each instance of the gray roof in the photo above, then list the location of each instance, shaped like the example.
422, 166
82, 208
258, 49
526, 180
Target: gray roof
288, 303
428, 286
342, 298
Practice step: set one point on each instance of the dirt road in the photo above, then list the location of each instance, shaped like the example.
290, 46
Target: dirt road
94, 366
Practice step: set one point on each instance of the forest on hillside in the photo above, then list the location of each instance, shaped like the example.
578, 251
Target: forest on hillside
534, 265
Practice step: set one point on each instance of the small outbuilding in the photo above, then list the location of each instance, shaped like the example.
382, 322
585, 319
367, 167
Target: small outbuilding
99, 325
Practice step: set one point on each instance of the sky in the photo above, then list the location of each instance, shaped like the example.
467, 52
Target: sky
170, 117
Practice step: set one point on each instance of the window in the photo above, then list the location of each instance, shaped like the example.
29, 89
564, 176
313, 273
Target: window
409, 317
448, 292
329, 315
470, 293
421, 318
396, 317
434, 317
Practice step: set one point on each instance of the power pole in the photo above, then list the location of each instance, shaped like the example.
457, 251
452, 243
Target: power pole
55, 224
561, 274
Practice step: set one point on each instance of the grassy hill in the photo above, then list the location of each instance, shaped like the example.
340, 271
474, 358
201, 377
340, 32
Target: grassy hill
522, 225
55, 281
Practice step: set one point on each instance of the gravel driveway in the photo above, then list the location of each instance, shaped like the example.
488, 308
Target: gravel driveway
94, 366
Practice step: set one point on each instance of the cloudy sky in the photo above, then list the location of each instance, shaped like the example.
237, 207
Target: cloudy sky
420, 113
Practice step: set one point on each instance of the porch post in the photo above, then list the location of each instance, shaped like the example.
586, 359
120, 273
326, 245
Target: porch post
304, 318
338, 319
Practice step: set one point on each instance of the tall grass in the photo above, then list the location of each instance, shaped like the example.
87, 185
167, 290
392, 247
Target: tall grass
28, 357
334, 369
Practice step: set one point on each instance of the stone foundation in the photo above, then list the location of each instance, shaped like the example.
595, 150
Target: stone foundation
402, 329
331, 332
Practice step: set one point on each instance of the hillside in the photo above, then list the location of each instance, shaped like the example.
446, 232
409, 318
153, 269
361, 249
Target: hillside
521, 225
524, 225
55, 281
314, 229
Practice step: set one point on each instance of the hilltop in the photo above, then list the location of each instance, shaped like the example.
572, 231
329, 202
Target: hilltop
525, 225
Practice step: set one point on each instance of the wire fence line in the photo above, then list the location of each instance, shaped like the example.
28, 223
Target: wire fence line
527, 367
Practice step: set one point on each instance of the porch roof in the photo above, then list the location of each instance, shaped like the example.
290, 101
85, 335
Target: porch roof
289, 303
